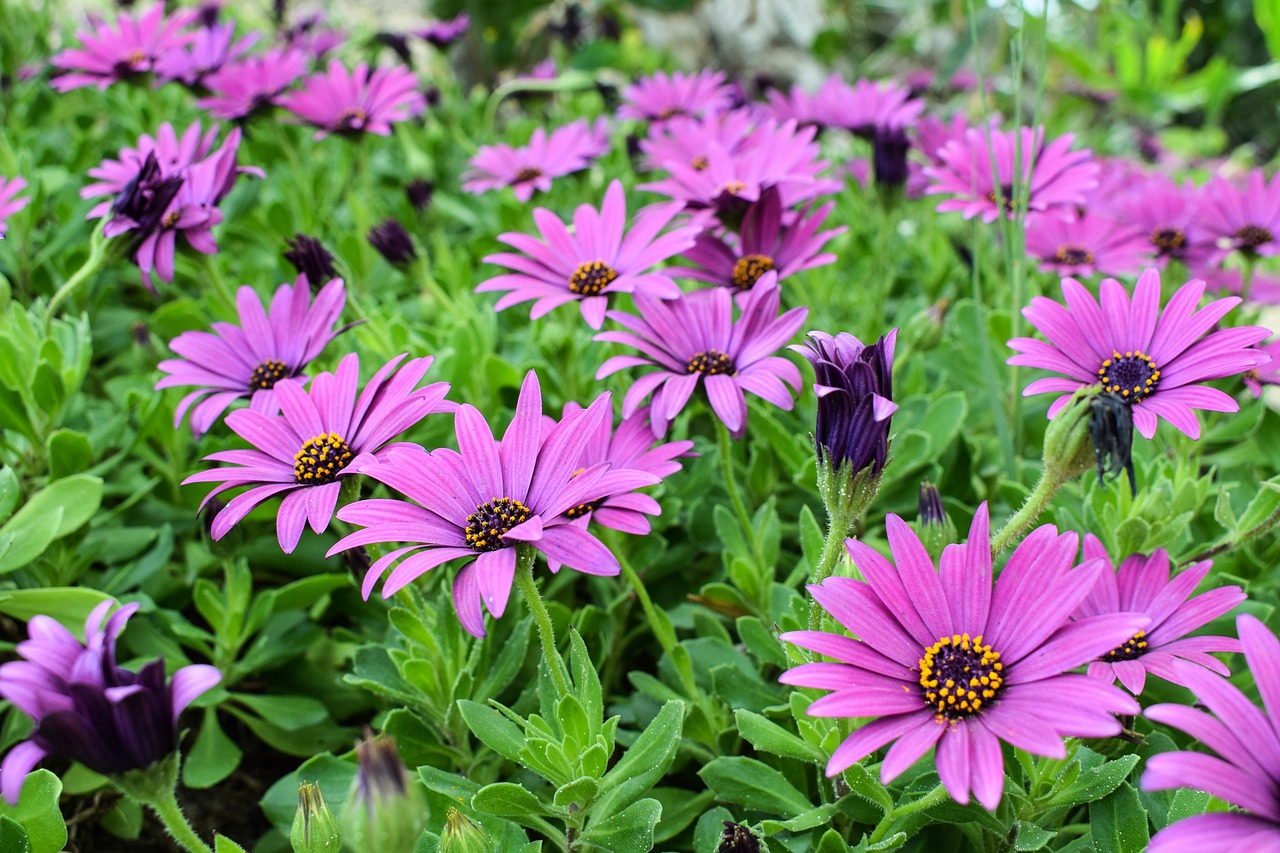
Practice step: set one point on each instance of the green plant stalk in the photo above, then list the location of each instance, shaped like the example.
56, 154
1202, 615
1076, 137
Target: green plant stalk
1036, 502
154, 788
97, 254
928, 801
525, 555
220, 285
725, 442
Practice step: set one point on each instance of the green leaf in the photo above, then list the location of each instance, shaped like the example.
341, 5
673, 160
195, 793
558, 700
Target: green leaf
1031, 837
47, 389
507, 799
303, 593
767, 736
291, 713
1119, 822
760, 641
1094, 784
9, 490
37, 811
68, 605
754, 785
865, 785
581, 791
645, 762
629, 831
13, 836
1263, 505
69, 453
213, 757
494, 730
53, 512
222, 844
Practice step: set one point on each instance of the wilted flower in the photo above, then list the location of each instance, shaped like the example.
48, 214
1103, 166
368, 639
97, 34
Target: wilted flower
889, 147
234, 362
533, 167
131, 47
10, 187
1082, 245
355, 102
737, 838
310, 258
254, 83
661, 96
85, 707
393, 242
944, 657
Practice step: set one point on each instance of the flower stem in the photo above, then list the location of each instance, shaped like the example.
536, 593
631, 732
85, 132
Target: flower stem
1035, 504
154, 787
831, 552
97, 253
524, 579
928, 801
731, 485
1246, 277
175, 822
220, 285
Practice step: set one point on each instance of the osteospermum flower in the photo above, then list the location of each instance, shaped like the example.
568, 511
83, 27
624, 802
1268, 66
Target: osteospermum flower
533, 167
211, 50
944, 657
9, 205
1153, 360
1269, 375
661, 97
481, 502
600, 257
1085, 244
1243, 218
131, 47
1053, 177
687, 140
1167, 215
819, 109
354, 102
324, 434
764, 243
441, 34
1142, 585
233, 362
85, 707
872, 106
254, 83
694, 340
1246, 768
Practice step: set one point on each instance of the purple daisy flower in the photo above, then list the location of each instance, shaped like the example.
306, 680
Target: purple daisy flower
1256, 378
1247, 765
600, 257
256, 82
112, 53
1167, 214
532, 167
764, 244
661, 97
1243, 218
211, 50
479, 503
354, 102
1153, 360
686, 140
85, 707
1010, 648
695, 338
233, 362
1142, 585
312, 37
870, 106
819, 109
1053, 177
1085, 244
441, 34
325, 433
10, 187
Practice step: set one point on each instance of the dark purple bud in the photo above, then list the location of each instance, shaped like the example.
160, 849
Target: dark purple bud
609, 24
441, 34
398, 43
141, 334
141, 204
419, 193
931, 512
310, 258
393, 242
431, 94
737, 838
208, 14
889, 156
1111, 428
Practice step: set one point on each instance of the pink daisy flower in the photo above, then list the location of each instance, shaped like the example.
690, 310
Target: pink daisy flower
254, 83
686, 140
324, 434
694, 340
662, 96
1053, 176
479, 503
599, 257
1243, 218
1150, 358
945, 657
1168, 215
1083, 245
532, 167
233, 362
819, 109
872, 105
131, 47
311, 36
354, 102
1142, 585
1269, 375
9, 205
210, 51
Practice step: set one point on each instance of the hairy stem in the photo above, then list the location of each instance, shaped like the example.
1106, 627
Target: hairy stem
524, 580
1035, 504
97, 253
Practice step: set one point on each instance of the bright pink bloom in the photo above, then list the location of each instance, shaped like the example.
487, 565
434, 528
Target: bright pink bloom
1264, 375
1167, 215
687, 140
1009, 648
1083, 245
255, 82
133, 46
211, 50
820, 109
354, 102
532, 167
661, 97
1243, 218
872, 105
10, 187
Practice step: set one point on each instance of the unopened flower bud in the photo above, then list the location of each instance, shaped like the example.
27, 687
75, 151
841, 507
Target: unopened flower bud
384, 811
463, 835
310, 258
737, 838
933, 526
889, 156
419, 193
1068, 447
923, 331
393, 242
315, 830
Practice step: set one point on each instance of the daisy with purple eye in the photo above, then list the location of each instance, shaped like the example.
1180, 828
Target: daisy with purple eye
355, 102
694, 340
1243, 218
211, 50
1152, 360
1142, 585
324, 434
819, 109
532, 167
255, 83
1167, 214
945, 657
1085, 244
871, 106
661, 96
9, 205
686, 140
233, 362
763, 244
483, 501
599, 257
1052, 176
131, 47
1246, 739
1255, 379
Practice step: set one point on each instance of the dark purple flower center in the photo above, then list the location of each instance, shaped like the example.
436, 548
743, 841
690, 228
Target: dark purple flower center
749, 268
1002, 197
1073, 255
958, 674
1168, 240
1252, 236
1134, 648
582, 509
672, 112
267, 374
528, 173
734, 187
170, 218
699, 163
1133, 375
491, 520
591, 277
320, 459
352, 118
712, 362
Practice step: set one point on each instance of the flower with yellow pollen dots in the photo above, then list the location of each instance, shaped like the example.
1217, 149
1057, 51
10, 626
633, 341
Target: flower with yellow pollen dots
944, 656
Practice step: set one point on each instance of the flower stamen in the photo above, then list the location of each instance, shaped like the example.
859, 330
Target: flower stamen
749, 268
320, 459
1133, 648
712, 362
486, 526
958, 675
1073, 255
591, 277
1133, 375
267, 374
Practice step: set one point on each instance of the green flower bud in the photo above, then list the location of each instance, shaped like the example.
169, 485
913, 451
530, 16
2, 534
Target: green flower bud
315, 830
463, 835
1068, 444
923, 331
933, 525
384, 811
